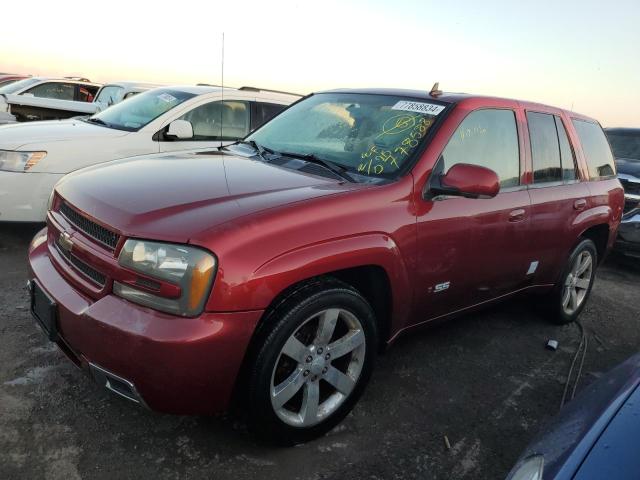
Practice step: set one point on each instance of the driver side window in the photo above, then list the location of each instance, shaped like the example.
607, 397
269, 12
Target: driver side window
488, 138
228, 120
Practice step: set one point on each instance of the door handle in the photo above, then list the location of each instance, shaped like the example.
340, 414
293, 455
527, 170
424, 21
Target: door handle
517, 215
580, 204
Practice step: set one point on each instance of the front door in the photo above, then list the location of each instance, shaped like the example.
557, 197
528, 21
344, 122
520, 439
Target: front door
214, 124
473, 250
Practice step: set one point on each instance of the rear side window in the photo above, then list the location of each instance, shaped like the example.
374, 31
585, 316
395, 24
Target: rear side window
545, 148
596, 149
58, 91
488, 138
263, 112
551, 151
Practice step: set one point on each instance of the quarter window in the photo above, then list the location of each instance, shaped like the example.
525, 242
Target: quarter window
206, 120
488, 138
596, 149
566, 152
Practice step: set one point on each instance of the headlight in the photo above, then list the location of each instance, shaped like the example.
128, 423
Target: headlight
190, 268
14, 161
50, 201
531, 469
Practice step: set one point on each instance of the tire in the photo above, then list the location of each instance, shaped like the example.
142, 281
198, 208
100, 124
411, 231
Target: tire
570, 294
296, 389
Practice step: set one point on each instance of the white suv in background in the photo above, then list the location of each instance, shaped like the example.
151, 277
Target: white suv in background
42, 98
35, 155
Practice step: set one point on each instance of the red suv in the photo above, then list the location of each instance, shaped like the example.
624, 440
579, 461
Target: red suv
269, 274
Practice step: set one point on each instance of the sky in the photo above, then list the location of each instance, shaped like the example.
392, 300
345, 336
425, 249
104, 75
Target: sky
580, 55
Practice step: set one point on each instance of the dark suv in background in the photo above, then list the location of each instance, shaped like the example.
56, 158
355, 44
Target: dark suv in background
625, 143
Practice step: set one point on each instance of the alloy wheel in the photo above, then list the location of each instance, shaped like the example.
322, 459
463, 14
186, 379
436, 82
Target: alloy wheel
577, 283
318, 367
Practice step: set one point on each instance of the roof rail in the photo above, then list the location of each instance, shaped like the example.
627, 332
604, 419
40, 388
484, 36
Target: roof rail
79, 79
206, 85
256, 89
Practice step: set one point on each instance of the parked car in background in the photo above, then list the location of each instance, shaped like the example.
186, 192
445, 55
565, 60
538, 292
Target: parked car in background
625, 143
115, 92
35, 155
41, 98
269, 273
7, 78
594, 437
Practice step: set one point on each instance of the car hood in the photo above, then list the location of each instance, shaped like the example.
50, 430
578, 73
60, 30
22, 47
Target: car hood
175, 197
628, 166
21, 135
615, 454
571, 435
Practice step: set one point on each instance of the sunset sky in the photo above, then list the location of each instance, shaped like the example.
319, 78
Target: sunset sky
566, 53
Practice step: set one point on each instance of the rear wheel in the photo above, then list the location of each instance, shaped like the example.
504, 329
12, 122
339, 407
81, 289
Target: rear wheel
314, 363
572, 291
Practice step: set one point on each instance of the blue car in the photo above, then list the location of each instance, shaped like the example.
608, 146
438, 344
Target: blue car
595, 437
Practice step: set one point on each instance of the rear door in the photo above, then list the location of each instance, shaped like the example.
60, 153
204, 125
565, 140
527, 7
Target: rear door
557, 195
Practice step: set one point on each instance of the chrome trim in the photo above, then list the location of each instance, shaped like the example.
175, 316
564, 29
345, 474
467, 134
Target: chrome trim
103, 376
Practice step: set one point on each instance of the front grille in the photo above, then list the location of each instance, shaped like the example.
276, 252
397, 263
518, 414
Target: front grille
631, 205
92, 229
630, 187
89, 272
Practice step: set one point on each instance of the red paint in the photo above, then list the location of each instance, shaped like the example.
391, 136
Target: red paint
472, 179
271, 227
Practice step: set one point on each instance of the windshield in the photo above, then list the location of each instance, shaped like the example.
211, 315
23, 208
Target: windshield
373, 135
19, 85
109, 95
141, 110
625, 145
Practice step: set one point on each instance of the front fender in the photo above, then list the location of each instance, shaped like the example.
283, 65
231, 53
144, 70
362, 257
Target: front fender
277, 274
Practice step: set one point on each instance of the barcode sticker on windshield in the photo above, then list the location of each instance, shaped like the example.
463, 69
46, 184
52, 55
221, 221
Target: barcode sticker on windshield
167, 97
418, 107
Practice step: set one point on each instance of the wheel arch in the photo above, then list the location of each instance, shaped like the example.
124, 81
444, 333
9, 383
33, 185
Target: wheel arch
599, 234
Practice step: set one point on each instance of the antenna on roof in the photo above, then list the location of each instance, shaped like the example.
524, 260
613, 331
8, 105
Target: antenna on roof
435, 90
222, 88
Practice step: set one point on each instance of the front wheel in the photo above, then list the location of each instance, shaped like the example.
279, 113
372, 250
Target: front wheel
314, 363
570, 294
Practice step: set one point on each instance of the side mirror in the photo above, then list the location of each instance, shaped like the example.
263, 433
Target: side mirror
179, 130
465, 180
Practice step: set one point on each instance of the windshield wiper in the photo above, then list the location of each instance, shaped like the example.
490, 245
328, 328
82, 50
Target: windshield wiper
336, 168
98, 121
257, 147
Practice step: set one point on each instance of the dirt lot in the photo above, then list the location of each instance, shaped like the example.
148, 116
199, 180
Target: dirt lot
484, 380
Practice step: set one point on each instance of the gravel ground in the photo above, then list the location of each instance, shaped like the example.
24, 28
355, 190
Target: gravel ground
484, 380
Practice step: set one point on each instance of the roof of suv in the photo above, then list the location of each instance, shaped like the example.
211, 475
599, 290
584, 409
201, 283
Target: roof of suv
445, 97
202, 89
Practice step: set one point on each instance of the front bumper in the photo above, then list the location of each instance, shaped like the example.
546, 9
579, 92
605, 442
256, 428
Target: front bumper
176, 365
628, 241
24, 195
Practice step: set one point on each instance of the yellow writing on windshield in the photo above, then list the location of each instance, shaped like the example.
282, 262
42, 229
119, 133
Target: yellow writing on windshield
376, 159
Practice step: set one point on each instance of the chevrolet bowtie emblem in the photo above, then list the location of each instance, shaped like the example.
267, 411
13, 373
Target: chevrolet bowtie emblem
65, 242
